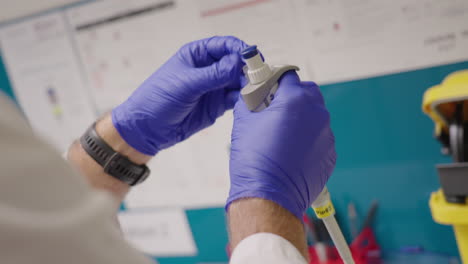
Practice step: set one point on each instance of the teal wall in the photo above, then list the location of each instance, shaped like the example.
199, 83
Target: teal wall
4, 80
385, 151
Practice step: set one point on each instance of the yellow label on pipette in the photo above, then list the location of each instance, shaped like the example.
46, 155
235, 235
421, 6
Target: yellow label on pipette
325, 211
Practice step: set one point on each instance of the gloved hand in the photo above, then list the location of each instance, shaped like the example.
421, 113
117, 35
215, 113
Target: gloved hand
286, 152
187, 94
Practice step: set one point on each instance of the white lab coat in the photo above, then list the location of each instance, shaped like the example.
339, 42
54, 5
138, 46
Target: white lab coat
49, 215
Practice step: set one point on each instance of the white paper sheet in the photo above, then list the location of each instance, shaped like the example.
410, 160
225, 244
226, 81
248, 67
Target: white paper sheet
20, 8
46, 79
269, 24
159, 233
354, 39
122, 51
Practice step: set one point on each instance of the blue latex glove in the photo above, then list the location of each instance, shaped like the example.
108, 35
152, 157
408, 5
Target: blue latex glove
285, 153
187, 94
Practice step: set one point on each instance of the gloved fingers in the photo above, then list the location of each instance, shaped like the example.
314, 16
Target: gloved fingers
291, 89
289, 77
218, 47
288, 83
243, 80
240, 108
309, 84
230, 98
314, 89
226, 73
207, 51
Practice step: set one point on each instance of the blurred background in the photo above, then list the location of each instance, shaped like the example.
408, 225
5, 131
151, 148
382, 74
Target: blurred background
67, 62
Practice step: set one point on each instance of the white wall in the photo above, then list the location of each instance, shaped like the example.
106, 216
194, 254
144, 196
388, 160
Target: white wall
10, 9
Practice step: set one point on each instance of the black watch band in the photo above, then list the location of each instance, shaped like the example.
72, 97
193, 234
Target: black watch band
114, 164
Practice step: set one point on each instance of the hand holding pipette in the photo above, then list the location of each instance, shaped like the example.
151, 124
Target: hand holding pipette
283, 148
288, 153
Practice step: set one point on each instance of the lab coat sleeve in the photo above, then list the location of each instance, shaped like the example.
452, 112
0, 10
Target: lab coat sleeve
48, 214
266, 248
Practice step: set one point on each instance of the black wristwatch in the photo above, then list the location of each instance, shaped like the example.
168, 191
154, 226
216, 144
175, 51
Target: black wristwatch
114, 164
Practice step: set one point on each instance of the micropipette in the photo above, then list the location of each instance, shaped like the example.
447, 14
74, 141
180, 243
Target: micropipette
258, 95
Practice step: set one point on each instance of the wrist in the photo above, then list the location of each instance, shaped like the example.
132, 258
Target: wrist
107, 131
254, 215
131, 127
94, 172
277, 197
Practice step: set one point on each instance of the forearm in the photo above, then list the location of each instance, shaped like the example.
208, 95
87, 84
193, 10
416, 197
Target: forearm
254, 215
93, 172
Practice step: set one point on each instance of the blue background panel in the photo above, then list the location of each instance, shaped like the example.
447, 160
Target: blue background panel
386, 151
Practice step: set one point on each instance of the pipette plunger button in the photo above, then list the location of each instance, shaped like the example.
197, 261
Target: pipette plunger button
249, 52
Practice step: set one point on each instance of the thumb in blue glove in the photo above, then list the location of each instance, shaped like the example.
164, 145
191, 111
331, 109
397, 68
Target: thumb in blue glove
187, 94
285, 153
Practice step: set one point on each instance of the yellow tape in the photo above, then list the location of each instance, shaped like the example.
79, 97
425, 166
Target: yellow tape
325, 211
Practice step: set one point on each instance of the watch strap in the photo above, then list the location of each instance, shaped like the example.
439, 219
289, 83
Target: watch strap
113, 163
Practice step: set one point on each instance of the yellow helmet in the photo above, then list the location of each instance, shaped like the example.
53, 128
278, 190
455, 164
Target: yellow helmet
447, 105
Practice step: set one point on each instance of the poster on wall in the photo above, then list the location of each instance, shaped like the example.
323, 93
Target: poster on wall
46, 79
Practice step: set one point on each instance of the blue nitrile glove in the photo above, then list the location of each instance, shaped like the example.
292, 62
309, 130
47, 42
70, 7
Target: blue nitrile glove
285, 153
187, 94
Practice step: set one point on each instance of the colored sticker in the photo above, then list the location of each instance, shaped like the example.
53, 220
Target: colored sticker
325, 211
